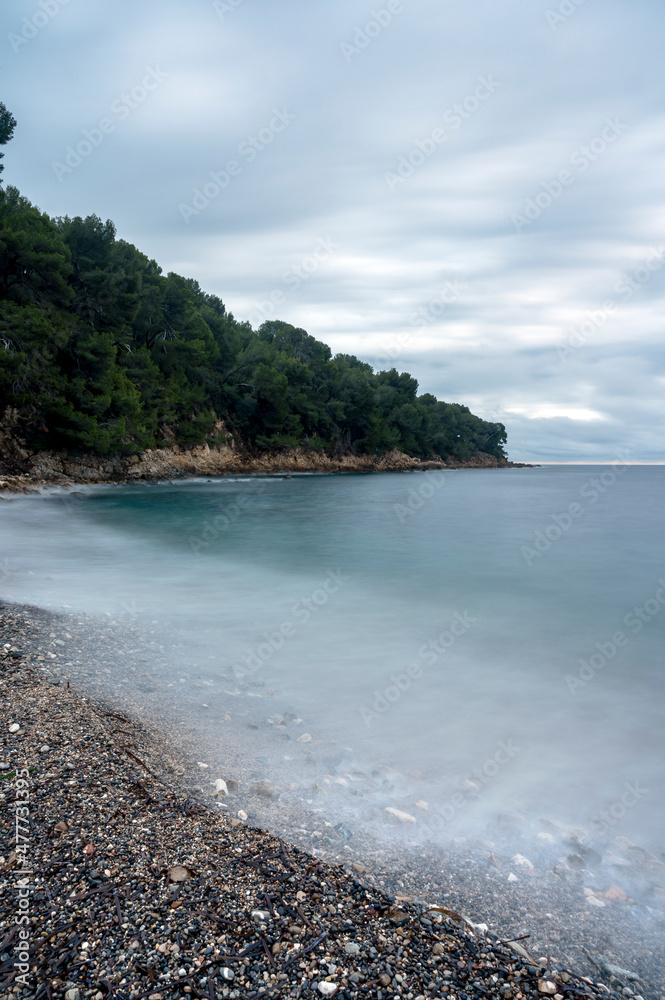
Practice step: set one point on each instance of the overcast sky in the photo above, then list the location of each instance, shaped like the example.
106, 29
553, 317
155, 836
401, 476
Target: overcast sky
468, 190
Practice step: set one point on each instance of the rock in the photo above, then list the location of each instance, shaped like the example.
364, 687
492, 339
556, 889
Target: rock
178, 873
227, 974
546, 838
438, 949
306, 738
221, 788
73, 994
616, 970
263, 788
513, 878
14, 728
421, 804
547, 987
260, 916
327, 988
351, 948
242, 815
519, 859
614, 894
398, 917
397, 814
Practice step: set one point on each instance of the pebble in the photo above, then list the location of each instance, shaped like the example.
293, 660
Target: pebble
263, 788
221, 788
145, 929
402, 817
14, 727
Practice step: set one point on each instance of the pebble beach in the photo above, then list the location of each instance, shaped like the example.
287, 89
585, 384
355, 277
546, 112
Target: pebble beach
138, 882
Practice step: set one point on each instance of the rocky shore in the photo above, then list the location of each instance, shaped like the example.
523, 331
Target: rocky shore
24, 472
141, 884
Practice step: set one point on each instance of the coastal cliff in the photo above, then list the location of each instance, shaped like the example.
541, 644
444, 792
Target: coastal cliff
24, 472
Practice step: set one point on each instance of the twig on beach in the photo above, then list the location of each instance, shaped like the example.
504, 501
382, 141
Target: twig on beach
267, 950
303, 917
310, 947
117, 905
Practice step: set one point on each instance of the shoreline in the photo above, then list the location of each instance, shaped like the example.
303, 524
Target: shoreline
143, 756
24, 473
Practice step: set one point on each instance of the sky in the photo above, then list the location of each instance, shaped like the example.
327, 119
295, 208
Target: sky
467, 190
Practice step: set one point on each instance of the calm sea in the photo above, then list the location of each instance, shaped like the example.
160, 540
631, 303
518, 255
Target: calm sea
493, 637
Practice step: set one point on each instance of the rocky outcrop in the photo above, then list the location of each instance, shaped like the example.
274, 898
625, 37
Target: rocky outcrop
20, 471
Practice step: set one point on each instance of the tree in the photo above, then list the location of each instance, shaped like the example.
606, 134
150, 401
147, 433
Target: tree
7, 126
102, 352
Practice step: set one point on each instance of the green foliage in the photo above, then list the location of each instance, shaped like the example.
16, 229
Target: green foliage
101, 352
7, 126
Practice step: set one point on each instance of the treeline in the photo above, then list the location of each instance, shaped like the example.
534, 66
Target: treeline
100, 351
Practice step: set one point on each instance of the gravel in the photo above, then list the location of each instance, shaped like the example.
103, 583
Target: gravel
140, 888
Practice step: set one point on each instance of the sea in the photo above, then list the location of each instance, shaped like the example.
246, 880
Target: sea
488, 641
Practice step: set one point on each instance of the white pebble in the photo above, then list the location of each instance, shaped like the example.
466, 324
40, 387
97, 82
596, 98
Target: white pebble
14, 728
519, 859
399, 815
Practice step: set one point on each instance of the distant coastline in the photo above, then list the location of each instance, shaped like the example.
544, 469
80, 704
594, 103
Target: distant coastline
33, 472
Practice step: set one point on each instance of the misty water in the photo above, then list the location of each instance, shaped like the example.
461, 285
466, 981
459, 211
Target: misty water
492, 638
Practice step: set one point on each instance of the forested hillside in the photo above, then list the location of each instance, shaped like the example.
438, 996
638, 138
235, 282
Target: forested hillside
102, 352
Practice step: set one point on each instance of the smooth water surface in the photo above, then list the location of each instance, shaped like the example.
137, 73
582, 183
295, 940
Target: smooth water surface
496, 630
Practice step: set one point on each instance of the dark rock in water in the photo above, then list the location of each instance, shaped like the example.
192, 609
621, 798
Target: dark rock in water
263, 788
344, 832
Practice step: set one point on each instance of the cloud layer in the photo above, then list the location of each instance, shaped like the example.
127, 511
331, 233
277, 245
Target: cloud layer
485, 180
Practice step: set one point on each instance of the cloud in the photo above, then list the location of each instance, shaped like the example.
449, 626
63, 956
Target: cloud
495, 345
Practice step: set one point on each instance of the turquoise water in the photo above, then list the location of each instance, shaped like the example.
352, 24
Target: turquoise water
502, 628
